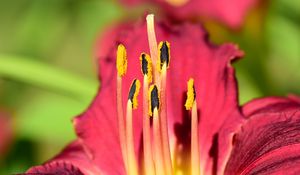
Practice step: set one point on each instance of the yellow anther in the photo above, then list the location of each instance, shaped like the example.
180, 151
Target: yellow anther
154, 99
134, 92
191, 94
146, 64
121, 60
163, 54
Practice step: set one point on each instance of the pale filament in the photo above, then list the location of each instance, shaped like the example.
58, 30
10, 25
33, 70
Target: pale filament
148, 158
132, 162
158, 151
195, 158
164, 123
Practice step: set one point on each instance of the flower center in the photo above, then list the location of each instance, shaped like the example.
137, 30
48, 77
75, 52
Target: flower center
157, 155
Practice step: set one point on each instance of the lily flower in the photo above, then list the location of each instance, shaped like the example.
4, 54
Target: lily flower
229, 12
185, 120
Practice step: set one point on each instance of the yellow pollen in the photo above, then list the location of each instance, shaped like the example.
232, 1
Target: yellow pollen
154, 99
134, 92
121, 60
191, 94
164, 55
146, 64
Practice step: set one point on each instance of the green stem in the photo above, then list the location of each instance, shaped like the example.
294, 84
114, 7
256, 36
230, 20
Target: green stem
27, 70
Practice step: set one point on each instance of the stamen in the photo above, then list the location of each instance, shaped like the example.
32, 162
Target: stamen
132, 161
164, 55
152, 44
153, 110
163, 64
121, 65
192, 105
146, 65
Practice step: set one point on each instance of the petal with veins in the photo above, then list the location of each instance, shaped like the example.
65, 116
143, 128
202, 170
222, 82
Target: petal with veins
269, 141
73, 160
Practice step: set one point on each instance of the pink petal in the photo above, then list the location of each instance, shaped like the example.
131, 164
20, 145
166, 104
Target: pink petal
230, 12
269, 142
73, 160
191, 56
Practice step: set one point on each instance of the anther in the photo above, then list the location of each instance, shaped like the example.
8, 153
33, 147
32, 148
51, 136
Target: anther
146, 63
191, 104
191, 94
121, 60
164, 54
133, 93
154, 99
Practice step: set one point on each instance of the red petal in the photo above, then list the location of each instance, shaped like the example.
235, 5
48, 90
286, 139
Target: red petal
6, 133
73, 160
97, 128
269, 142
230, 12
269, 104
191, 56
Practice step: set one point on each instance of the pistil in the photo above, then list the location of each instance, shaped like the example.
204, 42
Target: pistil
154, 111
192, 105
162, 65
146, 65
121, 65
131, 104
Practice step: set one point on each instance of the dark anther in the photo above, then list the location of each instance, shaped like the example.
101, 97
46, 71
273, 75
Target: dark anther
164, 54
154, 98
132, 91
144, 64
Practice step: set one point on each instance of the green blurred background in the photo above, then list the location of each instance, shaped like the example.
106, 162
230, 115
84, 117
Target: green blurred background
48, 74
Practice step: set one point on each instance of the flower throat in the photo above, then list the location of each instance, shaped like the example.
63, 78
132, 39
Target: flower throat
157, 154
